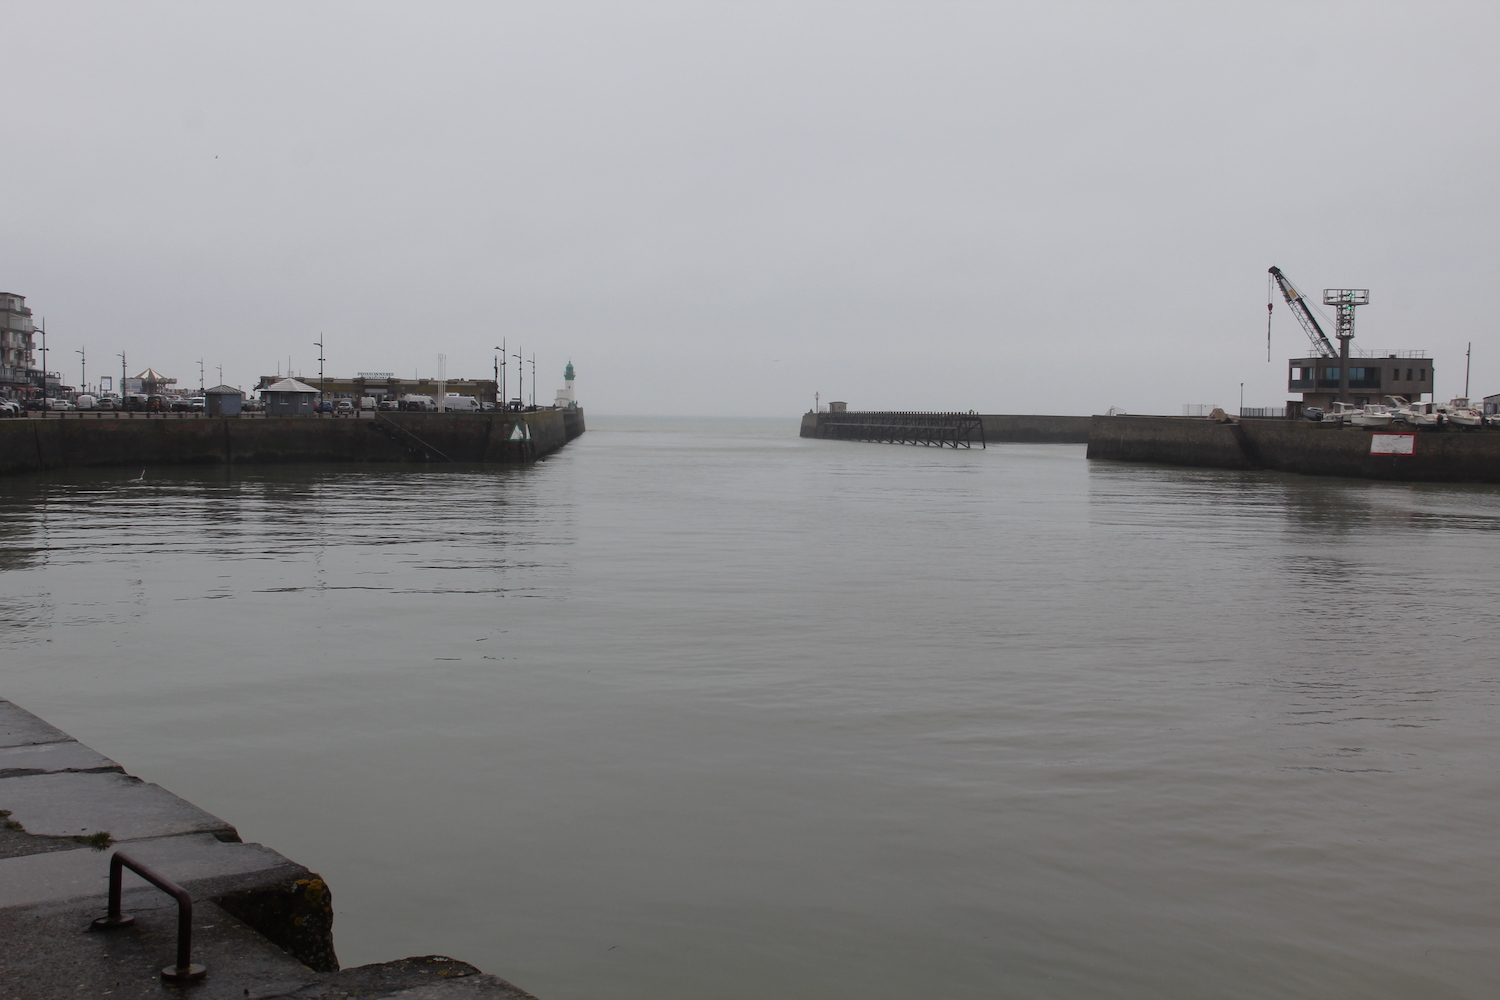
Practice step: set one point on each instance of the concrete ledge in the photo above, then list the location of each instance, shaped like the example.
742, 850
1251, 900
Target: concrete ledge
52, 758
84, 804
204, 866
19, 728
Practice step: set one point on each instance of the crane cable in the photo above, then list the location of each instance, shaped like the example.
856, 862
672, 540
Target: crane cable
1270, 297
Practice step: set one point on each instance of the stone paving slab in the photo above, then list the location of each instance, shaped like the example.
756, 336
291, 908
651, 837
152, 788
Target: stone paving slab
79, 805
19, 727
199, 863
51, 758
50, 953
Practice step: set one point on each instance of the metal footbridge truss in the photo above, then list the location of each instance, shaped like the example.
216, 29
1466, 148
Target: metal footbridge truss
953, 430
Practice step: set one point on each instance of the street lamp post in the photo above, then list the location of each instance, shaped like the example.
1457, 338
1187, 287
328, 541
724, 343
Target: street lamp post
322, 389
520, 374
83, 369
500, 375
533, 380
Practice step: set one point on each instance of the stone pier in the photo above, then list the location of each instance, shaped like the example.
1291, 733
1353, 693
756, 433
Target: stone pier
262, 924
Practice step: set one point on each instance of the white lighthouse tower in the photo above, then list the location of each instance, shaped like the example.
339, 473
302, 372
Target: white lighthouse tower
565, 400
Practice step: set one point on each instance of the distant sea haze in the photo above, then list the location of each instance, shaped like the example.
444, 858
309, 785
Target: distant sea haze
702, 709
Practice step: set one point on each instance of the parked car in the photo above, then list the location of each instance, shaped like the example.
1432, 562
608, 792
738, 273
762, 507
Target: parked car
85, 401
59, 404
10, 408
104, 403
388, 404
343, 408
197, 404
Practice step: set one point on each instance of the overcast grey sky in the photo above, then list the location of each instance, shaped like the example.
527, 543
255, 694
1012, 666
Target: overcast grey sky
725, 207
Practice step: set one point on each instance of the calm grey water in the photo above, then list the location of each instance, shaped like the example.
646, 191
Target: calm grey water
699, 709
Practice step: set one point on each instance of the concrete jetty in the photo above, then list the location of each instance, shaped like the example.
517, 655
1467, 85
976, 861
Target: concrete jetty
262, 924
1302, 446
991, 428
75, 440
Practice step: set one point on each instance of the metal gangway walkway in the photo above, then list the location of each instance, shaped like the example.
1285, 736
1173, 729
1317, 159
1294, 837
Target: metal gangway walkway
953, 430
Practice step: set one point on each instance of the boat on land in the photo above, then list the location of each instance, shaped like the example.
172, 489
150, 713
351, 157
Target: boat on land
1374, 416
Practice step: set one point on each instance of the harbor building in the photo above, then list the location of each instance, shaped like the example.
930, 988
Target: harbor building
17, 358
1372, 377
223, 401
289, 396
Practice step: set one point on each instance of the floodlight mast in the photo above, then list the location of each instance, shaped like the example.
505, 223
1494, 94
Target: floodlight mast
1344, 300
1297, 303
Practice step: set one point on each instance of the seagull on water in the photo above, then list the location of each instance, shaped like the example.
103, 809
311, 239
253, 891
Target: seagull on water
138, 479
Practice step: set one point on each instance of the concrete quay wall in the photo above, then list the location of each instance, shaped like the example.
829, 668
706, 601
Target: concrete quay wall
1294, 446
81, 440
1000, 428
1035, 428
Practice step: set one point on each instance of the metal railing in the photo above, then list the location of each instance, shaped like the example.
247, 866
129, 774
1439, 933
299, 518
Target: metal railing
184, 971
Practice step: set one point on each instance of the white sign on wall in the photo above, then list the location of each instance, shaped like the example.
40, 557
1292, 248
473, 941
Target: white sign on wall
1393, 444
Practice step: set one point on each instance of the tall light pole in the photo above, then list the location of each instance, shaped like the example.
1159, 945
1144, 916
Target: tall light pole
500, 372
322, 395
83, 369
1242, 399
520, 375
200, 377
533, 380
122, 378
44, 358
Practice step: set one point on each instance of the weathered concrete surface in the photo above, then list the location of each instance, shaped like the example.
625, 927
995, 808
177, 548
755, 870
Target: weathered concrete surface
81, 805
38, 444
261, 922
999, 428
1035, 428
19, 728
198, 862
1295, 446
52, 758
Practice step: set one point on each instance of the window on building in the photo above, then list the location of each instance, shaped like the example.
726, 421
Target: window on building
1422, 374
1408, 374
1356, 374
1330, 373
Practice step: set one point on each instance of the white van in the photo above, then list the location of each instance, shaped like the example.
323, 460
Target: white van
367, 402
415, 402
461, 404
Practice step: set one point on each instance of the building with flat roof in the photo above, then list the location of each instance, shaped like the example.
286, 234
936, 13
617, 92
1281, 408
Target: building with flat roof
383, 385
17, 358
1372, 377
